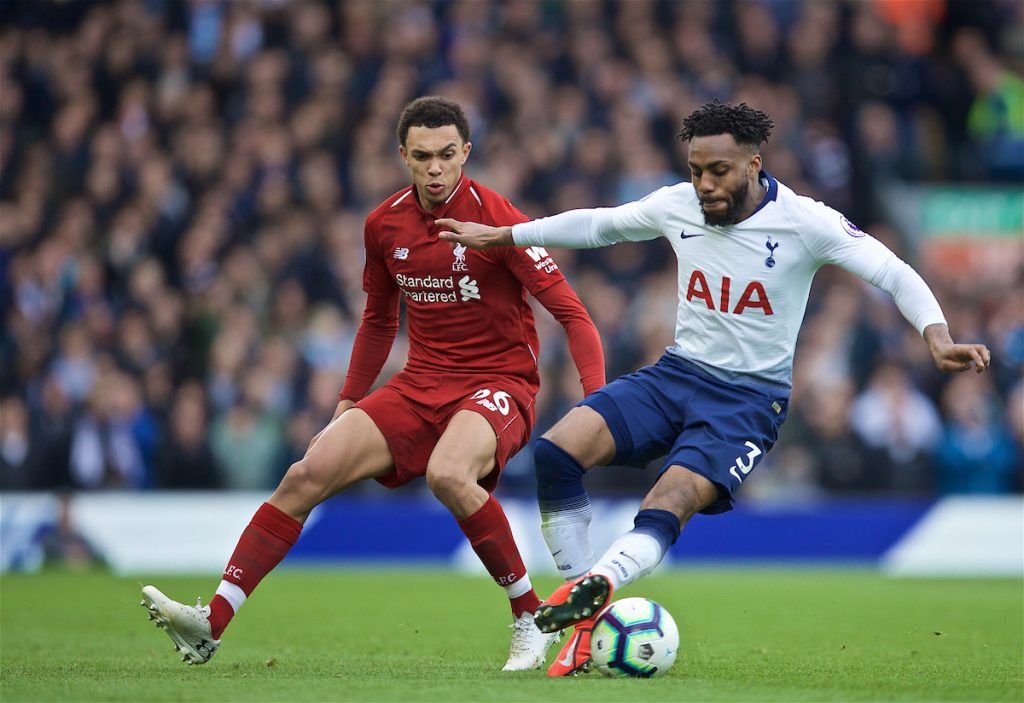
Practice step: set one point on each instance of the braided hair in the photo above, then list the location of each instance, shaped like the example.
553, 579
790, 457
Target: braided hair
749, 127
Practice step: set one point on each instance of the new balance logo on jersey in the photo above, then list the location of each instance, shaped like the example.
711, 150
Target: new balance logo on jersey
469, 289
754, 295
401, 253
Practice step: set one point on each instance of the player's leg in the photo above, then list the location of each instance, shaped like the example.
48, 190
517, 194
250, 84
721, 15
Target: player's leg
465, 455
675, 498
627, 422
723, 432
578, 442
350, 449
678, 495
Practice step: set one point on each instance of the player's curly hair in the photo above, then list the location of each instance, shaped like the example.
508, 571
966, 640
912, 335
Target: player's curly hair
747, 126
432, 111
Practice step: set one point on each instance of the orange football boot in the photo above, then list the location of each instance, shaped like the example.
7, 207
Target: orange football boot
575, 655
573, 602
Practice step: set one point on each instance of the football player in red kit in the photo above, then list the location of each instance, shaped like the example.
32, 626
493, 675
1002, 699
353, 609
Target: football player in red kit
461, 407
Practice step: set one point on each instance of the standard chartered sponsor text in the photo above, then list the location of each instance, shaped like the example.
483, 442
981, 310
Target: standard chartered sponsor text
440, 290
429, 296
424, 281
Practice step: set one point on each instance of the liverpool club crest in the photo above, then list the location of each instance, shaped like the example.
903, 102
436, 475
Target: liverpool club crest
460, 258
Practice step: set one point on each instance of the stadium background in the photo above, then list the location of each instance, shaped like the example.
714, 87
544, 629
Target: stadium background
183, 185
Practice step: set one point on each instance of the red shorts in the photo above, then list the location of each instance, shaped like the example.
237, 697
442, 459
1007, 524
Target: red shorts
412, 411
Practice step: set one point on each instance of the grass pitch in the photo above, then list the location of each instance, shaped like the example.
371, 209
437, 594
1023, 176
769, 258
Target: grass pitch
747, 635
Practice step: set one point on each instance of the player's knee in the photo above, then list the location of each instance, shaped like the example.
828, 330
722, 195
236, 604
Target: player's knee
583, 434
446, 481
553, 464
302, 483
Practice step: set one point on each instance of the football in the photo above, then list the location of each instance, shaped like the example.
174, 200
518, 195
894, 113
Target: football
634, 637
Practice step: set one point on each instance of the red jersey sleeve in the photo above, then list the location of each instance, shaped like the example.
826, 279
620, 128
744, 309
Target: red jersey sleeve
532, 266
379, 325
584, 341
539, 274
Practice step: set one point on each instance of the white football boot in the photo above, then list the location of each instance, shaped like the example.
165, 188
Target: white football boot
529, 645
187, 625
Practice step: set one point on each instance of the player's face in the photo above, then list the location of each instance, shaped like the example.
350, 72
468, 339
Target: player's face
722, 172
434, 156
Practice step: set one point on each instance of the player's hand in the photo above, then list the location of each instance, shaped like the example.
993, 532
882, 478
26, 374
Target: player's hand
954, 358
473, 234
960, 357
338, 412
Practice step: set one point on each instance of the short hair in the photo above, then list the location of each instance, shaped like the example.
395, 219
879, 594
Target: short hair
749, 127
432, 111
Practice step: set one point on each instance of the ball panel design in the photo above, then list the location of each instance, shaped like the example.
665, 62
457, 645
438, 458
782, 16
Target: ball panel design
634, 637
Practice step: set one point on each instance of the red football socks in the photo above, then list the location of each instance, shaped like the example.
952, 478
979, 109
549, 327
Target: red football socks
489, 533
262, 546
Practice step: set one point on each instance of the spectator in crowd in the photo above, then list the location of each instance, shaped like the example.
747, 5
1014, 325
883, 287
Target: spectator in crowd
840, 460
977, 453
893, 416
16, 463
247, 443
113, 439
184, 458
996, 120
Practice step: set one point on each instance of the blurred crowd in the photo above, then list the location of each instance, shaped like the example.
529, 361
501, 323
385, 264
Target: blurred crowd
183, 185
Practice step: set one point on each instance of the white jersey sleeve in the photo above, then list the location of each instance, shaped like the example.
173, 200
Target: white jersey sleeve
636, 221
833, 239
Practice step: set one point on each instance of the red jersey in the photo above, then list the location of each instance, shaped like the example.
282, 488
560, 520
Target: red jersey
467, 310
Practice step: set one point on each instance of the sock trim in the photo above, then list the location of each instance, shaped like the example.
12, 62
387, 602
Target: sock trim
662, 525
519, 588
234, 595
278, 523
580, 502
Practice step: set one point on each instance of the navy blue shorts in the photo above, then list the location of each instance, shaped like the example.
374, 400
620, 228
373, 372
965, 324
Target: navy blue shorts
713, 428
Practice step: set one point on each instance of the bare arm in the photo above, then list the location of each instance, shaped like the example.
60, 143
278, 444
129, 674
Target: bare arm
952, 357
475, 235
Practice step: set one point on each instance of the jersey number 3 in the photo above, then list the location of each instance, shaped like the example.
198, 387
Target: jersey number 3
745, 466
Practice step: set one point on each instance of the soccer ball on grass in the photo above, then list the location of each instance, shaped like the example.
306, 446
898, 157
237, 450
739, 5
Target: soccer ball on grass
634, 637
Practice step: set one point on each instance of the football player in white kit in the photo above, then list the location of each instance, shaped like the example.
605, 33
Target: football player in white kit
748, 247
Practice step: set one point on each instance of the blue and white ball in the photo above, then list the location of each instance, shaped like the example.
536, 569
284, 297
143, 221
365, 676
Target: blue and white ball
634, 637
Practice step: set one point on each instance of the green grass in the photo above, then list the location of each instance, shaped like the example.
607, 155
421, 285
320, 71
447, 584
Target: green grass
747, 635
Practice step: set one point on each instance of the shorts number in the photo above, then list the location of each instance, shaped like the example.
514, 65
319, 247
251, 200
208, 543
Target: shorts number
745, 466
498, 401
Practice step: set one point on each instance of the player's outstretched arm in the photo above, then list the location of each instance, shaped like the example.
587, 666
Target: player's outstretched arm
475, 235
952, 357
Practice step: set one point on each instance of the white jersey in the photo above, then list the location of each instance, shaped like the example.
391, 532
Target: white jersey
743, 288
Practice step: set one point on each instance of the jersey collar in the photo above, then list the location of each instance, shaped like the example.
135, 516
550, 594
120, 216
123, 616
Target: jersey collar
772, 186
